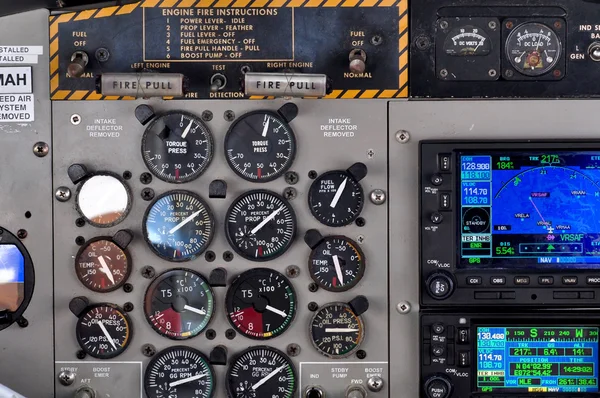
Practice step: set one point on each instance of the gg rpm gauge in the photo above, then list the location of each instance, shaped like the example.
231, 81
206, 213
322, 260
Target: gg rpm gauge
179, 304
533, 49
179, 372
261, 146
260, 225
261, 303
467, 40
177, 147
178, 226
103, 331
261, 371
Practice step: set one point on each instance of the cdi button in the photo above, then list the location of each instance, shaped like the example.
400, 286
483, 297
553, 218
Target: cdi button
474, 280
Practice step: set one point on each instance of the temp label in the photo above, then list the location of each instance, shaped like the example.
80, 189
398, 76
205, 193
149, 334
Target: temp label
17, 108
218, 34
15, 80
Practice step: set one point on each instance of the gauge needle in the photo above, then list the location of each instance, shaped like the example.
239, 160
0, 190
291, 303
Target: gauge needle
188, 380
276, 311
266, 220
110, 340
266, 128
181, 224
268, 377
187, 130
196, 310
338, 193
341, 330
521, 56
106, 270
338, 269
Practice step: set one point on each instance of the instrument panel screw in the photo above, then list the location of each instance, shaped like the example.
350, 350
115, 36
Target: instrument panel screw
403, 307
207, 116
444, 73
80, 222
229, 116
290, 193
146, 178
127, 175
66, 377
361, 354
210, 256
148, 272
22, 322
313, 287
312, 306
80, 354
62, 194
402, 136
492, 72
147, 194
370, 154
360, 222
509, 25
211, 334
230, 334
128, 307
148, 350
292, 271
21, 234
312, 174
444, 24
40, 149
80, 240
375, 383
228, 256
556, 73
128, 288
422, 42
291, 177
508, 73
376, 40
360, 239
102, 54
75, 119
378, 196
293, 350
492, 25
557, 24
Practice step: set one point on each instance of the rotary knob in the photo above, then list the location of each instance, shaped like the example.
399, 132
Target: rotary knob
440, 285
438, 387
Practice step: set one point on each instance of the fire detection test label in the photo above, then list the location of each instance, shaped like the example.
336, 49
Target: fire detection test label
15, 80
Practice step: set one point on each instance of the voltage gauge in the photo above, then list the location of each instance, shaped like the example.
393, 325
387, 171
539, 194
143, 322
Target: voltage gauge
337, 329
177, 147
103, 331
468, 40
179, 304
336, 197
336, 263
533, 48
178, 226
260, 146
261, 303
179, 372
103, 264
261, 371
260, 225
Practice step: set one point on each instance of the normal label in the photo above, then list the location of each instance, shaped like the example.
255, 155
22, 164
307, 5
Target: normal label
16, 108
15, 80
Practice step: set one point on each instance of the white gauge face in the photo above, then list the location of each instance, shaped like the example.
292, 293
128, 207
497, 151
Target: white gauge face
103, 200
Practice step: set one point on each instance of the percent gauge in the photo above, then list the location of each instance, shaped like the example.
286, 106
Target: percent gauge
261, 371
178, 226
261, 303
336, 197
179, 304
260, 225
179, 372
177, 147
261, 146
103, 331
336, 263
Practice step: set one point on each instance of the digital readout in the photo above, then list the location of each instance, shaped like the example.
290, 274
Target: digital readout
537, 359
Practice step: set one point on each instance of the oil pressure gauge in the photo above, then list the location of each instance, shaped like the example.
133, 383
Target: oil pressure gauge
533, 49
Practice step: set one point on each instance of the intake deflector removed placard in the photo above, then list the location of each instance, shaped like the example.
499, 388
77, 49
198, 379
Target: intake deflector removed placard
226, 38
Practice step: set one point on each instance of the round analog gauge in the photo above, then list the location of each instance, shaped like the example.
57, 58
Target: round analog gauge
177, 147
261, 371
336, 197
101, 265
260, 225
103, 200
103, 331
336, 331
467, 40
179, 304
179, 372
178, 226
336, 263
533, 49
261, 303
260, 146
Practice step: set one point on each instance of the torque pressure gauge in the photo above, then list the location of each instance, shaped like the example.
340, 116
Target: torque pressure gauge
533, 49
261, 303
260, 225
336, 263
261, 146
179, 372
178, 226
179, 304
261, 371
336, 197
337, 329
103, 331
177, 147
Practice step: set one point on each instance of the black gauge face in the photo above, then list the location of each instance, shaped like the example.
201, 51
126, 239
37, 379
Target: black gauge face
103, 200
467, 40
260, 146
336, 331
102, 266
103, 331
533, 49
179, 372
179, 304
178, 226
261, 372
177, 147
337, 263
261, 303
336, 198
260, 225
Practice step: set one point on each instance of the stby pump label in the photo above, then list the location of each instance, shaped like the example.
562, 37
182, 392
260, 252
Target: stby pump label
15, 80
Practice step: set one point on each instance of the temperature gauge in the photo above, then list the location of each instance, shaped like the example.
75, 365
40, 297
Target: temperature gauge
103, 331
533, 48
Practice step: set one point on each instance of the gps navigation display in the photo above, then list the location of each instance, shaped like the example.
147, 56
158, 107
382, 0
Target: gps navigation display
530, 209
12, 278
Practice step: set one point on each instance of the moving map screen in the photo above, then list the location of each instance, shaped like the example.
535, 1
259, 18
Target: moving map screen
530, 210
537, 359
12, 278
